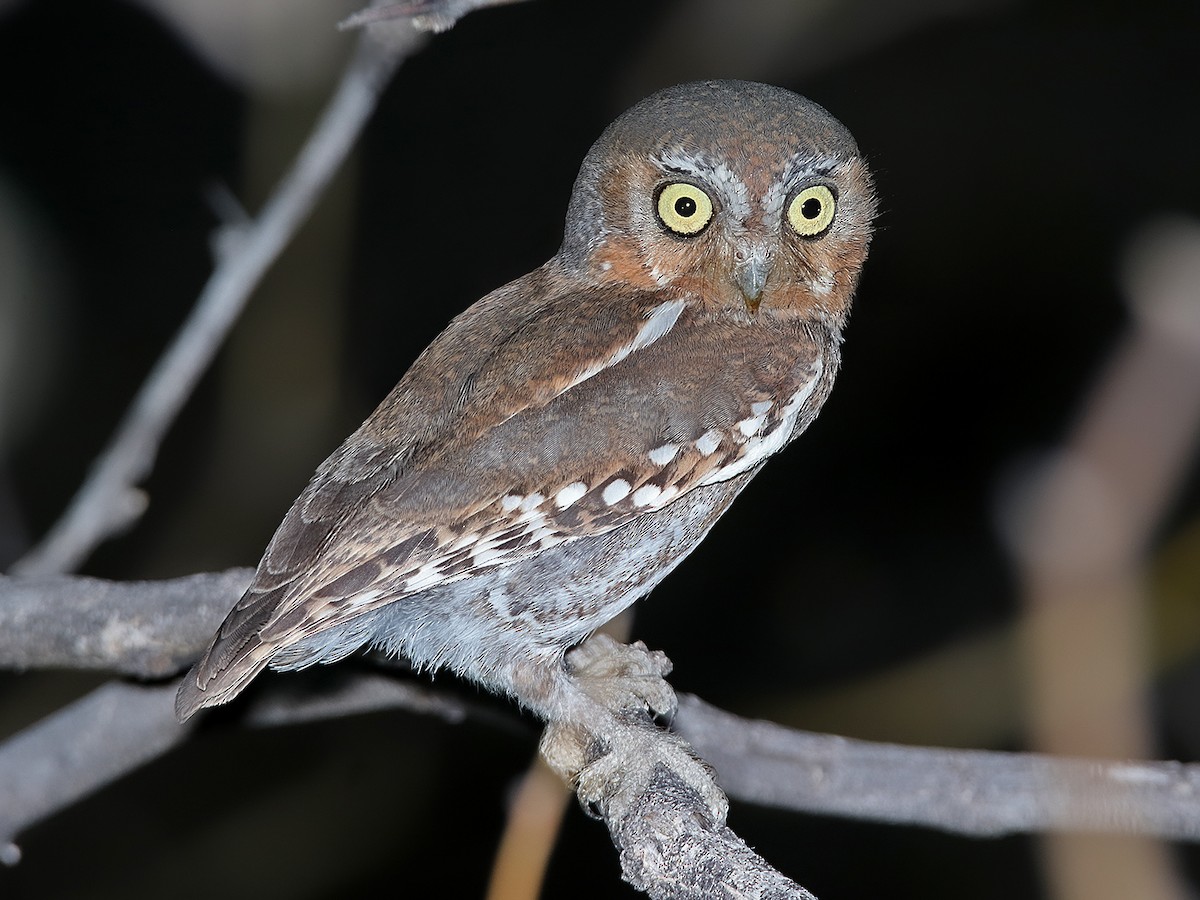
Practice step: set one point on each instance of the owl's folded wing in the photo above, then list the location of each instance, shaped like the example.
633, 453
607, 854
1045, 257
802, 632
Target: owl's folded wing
504, 440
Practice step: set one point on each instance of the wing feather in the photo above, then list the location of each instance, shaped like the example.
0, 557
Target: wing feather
504, 440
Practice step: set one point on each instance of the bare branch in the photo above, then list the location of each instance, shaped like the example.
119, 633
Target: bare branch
969, 792
109, 500
148, 629
673, 850
965, 791
120, 726
79, 749
427, 15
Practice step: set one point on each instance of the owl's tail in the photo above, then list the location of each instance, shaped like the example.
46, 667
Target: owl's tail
235, 655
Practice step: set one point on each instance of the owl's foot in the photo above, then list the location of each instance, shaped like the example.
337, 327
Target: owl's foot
607, 746
629, 680
625, 762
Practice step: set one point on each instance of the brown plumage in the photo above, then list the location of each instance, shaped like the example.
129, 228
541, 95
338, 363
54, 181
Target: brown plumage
568, 439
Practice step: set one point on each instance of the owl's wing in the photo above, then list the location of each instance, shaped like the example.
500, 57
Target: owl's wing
524, 425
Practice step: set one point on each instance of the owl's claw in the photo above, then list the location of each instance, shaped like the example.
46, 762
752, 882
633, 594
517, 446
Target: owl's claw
610, 772
628, 680
612, 756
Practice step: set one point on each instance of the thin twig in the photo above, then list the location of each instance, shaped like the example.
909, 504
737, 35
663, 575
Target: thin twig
109, 500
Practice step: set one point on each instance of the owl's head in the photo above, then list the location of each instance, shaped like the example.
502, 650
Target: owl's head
744, 195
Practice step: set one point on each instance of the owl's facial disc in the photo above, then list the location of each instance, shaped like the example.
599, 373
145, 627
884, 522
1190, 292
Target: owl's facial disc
685, 209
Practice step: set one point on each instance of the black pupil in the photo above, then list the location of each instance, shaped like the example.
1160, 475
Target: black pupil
685, 207
811, 208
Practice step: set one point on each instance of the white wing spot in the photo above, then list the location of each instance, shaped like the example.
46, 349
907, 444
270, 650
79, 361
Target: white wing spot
532, 501
757, 449
570, 494
801, 396
646, 494
481, 556
708, 442
660, 320
511, 502
484, 552
615, 491
750, 427
465, 540
361, 599
428, 574
660, 456
761, 408
543, 535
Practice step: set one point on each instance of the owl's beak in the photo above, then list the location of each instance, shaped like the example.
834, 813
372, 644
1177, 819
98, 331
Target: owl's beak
750, 271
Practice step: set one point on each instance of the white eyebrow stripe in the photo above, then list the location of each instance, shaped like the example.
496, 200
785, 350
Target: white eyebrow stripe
733, 190
676, 162
734, 195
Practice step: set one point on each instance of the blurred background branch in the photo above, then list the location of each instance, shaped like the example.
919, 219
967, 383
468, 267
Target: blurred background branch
1080, 528
109, 501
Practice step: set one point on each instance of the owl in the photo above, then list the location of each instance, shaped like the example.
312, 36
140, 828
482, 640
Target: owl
573, 435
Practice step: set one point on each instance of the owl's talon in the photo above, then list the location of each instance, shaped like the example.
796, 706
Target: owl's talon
626, 679
608, 747
610, 775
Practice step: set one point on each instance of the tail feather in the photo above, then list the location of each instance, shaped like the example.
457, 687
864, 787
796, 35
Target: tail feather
194, 695
235, 655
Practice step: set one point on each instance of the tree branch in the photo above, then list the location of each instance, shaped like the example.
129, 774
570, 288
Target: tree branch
84, 746
428, 15
147, 629
975, 792
672, 850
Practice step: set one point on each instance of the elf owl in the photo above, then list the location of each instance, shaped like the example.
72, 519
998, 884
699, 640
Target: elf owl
572, 436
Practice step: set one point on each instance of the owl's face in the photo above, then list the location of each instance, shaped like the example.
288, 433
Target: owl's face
743, 195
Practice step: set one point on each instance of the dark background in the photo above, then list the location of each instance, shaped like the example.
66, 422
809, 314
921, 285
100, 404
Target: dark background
1017, 147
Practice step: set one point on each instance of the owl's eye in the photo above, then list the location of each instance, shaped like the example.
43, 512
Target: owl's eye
811, 210
684, 208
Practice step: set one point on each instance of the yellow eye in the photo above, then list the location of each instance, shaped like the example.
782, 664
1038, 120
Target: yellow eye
811, 210
684, 208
